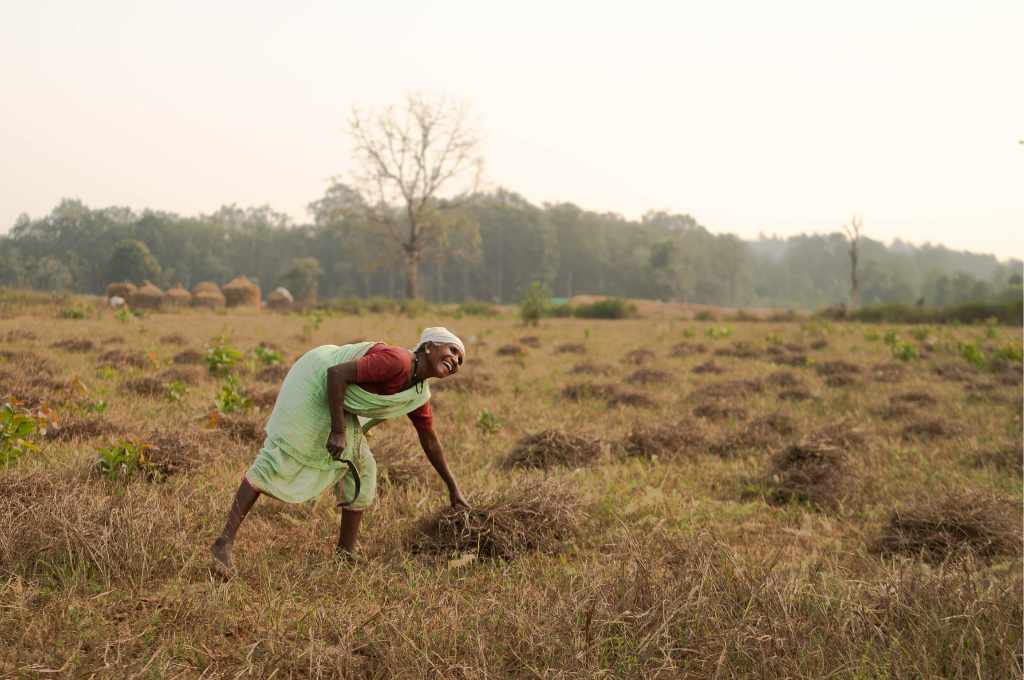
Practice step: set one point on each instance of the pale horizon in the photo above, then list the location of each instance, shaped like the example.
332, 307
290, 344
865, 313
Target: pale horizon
780, 119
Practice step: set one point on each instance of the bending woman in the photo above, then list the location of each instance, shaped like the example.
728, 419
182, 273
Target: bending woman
316, 438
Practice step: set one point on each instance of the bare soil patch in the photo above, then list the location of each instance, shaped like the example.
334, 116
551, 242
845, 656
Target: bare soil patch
664, 441
648, 376
530, 518
77, 345
571, 348
551, 448
709, 367
959, 522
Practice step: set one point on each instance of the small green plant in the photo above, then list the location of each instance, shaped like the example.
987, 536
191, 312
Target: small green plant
991, 326
106, 372
231, 397
905, 351
97, 406
718, 332
689, 333
267, 356
221, 357
124, 459
488, 423
1009, 353
973, 355
920, 334
73, 312
176, 390
124, 314
18, 429
313, 321
872, 336
534, 302
773, 339
890, 338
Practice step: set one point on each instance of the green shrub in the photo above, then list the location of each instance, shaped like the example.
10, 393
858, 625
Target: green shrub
381, 305
610, 308
267, 356
18, 429
534, 302
904, 351
718, 332
231, 397
176, 390
222, 357
414, 307
872, 336
560, 311
346, 305
1006, 313
705, 315
488, 423
1009, 353
973, 355
124, 459
74, 312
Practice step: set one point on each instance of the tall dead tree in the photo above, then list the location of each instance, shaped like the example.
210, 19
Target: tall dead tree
853, 232
407, 157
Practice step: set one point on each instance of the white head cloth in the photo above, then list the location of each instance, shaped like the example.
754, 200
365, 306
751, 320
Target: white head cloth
440, 334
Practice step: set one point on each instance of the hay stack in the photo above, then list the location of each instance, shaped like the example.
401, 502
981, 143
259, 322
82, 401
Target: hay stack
177, 297
207, 294
121, 289
147, 296
280, 300
241, 292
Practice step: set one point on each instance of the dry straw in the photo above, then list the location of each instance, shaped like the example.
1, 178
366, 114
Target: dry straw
207, 295
121, 289
177, 297
241, 292
280, 300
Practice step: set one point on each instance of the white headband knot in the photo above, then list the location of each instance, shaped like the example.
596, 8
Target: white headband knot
440, 334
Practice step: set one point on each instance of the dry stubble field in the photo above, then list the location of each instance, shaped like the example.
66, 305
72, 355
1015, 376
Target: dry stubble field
651, 500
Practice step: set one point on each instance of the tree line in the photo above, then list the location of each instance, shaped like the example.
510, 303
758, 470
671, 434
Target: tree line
490, 246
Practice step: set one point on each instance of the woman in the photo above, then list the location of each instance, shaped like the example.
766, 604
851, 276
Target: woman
315, 435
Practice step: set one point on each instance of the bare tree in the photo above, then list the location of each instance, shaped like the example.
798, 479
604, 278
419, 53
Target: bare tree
407, 157
853, 232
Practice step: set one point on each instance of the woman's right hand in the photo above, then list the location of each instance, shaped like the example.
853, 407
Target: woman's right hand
336, 444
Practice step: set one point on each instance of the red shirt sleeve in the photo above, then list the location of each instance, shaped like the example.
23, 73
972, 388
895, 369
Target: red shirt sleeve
382, 364
423, 418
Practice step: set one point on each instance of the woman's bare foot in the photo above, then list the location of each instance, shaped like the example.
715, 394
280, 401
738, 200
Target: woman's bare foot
221, 553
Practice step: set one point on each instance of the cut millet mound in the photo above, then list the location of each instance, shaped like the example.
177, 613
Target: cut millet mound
841, 380
245, 429
530, 341
783, 379
475, 382
913, 399
952, 525
739, 350
580, 391
954, 372
639, 357
631, 399
590, 368
188, 376
20, 335
189, 357
399, 464
75, 345
718, 411
552, 448
173, 339
687, 349
664, 441
272, 374
765, 432
817, 469
929, 429
510, 351
729, 389
795, 394
80, 428
147, 387
793, 359
708, 367
888, 373
839, 367
648, 376
571, 348
541, 517
117, 358
264, 399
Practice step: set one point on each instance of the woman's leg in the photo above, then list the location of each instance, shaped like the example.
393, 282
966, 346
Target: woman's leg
349, 532
244, 499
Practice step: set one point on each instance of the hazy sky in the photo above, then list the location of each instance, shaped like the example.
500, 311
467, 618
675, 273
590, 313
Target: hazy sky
751, 116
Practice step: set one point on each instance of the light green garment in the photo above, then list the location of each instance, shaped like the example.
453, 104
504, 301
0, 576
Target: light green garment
294, 465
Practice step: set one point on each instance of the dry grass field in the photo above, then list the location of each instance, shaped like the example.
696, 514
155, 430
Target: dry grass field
652, 498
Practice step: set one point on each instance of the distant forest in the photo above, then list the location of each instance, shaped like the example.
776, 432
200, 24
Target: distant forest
491, 248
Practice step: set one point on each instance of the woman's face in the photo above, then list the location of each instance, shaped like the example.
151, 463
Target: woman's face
443, 360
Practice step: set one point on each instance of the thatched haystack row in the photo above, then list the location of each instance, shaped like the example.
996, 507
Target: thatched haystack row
177, 297
207, 294
241, 292
147, 296
121, 289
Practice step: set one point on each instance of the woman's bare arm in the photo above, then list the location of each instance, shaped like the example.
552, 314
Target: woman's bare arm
435, 454
338, 379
